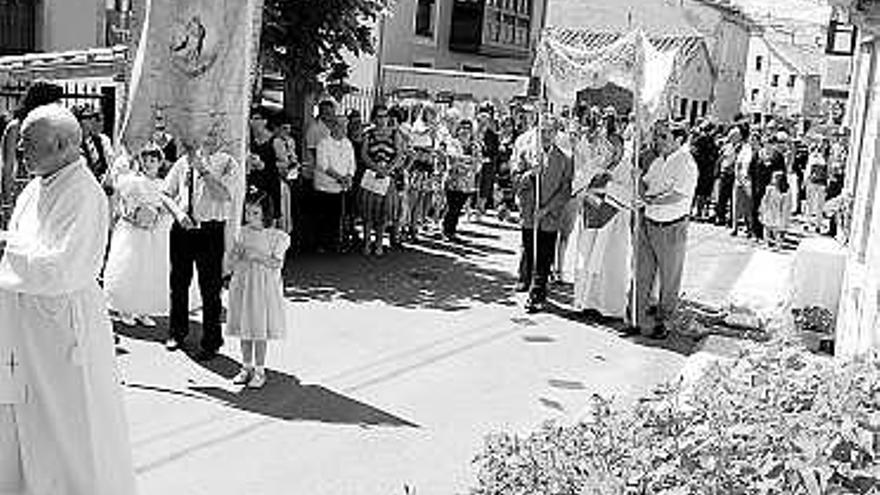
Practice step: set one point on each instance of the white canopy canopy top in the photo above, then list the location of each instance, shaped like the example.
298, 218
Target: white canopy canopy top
630, 61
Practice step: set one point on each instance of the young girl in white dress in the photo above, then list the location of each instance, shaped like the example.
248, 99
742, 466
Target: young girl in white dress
136, 274
256, 303
776, 210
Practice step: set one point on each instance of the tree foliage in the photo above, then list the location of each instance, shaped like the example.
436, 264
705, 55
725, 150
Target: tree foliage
304, 38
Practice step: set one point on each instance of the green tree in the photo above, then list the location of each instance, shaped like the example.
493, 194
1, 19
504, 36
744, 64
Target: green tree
302, 39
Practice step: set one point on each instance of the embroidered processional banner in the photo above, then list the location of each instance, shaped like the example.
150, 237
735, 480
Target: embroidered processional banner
195, 66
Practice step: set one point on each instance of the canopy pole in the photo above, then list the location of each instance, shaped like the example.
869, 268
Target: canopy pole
636, 216
539, 142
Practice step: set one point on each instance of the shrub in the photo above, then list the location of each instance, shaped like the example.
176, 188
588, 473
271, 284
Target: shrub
774, 420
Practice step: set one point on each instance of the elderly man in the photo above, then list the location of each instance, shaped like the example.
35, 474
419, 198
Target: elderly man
56, 347
554, 179
333, 177
669, 186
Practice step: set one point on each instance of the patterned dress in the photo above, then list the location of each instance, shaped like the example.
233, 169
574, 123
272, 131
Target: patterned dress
381, 147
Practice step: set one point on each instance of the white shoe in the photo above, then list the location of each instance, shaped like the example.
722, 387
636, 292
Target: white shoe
147, 321
258, 379
244, 376
128, 320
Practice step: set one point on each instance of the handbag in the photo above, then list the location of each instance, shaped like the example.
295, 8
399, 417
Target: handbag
371, 182
597, 215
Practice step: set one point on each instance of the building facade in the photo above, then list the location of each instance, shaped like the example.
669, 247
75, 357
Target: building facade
28, 26
491, 36
781, 80
726, 30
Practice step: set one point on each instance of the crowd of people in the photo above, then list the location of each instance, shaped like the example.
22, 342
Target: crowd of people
369, 186
754, 179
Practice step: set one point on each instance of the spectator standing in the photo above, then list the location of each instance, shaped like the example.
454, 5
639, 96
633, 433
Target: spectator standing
746, 168
817, 182
334, 172
382, 153
396, 197
422, 167
727, 176
284, 147
165, 141
836, 166
464, 158
96, 146
488, 136
505, 155
316, 132
264, 174
776, 210
356, 134
705, 152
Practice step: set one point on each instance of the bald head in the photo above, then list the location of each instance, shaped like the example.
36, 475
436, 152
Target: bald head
50, 139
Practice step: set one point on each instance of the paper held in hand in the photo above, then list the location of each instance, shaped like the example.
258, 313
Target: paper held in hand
375, 185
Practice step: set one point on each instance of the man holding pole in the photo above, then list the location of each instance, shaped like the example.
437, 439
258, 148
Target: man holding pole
543, 187
668, 192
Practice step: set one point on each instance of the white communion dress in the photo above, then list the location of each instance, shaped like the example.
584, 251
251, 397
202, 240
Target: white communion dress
136, 277
256, 301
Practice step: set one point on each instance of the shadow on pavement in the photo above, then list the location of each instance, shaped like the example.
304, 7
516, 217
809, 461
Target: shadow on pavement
430, 275
284, 397
679, 344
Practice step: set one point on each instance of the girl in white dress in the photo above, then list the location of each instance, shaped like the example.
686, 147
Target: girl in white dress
256, 302
136, 274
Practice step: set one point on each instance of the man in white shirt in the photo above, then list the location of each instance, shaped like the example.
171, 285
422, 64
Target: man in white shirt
202, 185
318, 130
669, 187
334, 172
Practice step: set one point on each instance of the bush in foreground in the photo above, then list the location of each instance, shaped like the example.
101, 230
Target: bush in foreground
774, 420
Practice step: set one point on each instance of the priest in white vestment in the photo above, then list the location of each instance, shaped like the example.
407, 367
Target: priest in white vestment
602, 256
68, 425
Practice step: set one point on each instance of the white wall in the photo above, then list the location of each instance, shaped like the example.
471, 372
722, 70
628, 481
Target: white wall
858, 323
782, 99
728, 43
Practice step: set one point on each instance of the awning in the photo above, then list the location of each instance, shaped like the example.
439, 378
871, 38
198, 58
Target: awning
480, 86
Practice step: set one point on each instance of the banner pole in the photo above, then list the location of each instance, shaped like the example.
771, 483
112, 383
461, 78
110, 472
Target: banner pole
636, 177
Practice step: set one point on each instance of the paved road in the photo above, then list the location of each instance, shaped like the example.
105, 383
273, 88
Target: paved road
394, 370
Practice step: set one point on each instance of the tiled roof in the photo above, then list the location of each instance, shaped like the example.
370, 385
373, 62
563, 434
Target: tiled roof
802, 60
